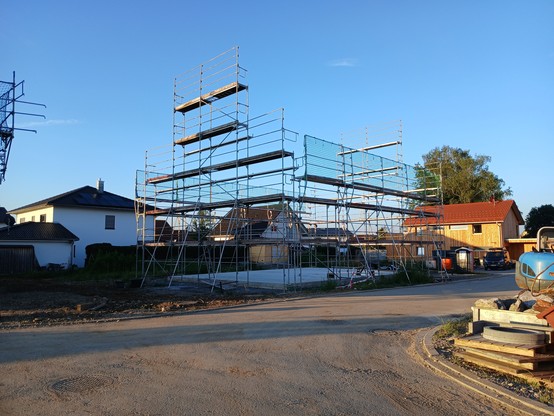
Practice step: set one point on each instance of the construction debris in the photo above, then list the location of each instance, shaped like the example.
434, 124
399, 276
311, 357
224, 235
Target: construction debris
511, 336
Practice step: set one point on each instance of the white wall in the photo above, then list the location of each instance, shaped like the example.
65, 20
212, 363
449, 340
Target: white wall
89, 226
57, 252
54, 252
28, 216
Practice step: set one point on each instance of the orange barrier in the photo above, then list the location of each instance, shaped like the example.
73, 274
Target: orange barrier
447, 264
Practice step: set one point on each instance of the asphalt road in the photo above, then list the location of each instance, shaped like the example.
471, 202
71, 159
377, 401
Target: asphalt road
345, 354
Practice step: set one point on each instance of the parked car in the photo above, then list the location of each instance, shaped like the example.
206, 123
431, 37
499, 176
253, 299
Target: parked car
497, 259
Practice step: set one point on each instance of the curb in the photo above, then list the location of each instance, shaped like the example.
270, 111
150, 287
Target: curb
431, 357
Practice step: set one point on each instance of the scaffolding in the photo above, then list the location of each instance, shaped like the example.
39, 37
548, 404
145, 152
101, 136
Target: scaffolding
222, 166
229, 197
357, 204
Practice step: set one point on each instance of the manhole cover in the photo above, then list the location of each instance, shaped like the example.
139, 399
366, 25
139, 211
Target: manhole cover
79, 384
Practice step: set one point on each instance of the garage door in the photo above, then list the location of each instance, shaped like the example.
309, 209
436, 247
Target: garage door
17, 259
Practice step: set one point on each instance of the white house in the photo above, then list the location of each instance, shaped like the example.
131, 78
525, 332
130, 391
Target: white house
25, 246
92, 214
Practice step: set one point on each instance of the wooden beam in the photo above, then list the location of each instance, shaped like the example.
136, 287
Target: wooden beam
211, 96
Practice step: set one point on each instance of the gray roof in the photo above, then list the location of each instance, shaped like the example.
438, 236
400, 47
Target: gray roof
37, 231
85, 197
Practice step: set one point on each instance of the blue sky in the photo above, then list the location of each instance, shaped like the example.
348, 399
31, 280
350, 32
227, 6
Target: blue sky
478, 75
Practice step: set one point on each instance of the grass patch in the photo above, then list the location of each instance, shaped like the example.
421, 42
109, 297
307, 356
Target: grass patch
546, 396
414, 274
329, 285
453, 328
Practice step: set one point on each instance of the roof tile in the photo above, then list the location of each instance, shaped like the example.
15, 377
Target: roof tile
37, 231
85, 197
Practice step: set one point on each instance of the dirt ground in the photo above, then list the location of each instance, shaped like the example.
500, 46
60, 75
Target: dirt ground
334, 355
47, 302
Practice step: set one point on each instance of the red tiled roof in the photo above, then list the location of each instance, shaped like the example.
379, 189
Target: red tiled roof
475, 212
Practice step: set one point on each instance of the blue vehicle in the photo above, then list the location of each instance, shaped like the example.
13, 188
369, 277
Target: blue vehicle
535, 269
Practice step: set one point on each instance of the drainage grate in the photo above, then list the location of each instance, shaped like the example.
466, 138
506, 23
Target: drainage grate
79, 384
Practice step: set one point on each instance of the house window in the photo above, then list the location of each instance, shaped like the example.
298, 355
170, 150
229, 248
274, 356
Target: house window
33, 218
421, 251
42, 217
458, 227
110, 222
22, 220
477, 229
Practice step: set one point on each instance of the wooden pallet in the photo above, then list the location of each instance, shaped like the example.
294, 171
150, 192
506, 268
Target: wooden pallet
478, 342
544, 376
535, 363
539, 361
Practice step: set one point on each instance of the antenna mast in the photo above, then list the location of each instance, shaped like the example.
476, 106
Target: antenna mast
10, 95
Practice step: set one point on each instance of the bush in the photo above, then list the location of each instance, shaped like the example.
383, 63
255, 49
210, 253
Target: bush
108, 259
329, 285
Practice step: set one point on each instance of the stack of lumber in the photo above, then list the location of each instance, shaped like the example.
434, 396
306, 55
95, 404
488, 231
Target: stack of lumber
534, 362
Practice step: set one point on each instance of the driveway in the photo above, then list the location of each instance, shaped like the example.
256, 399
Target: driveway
345, 354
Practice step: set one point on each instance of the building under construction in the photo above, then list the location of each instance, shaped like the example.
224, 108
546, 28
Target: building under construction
237, 199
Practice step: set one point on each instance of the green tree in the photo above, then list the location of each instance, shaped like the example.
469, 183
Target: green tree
201, 225
465, 178
538, 217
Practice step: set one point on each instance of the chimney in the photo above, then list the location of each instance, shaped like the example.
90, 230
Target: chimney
100, 186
